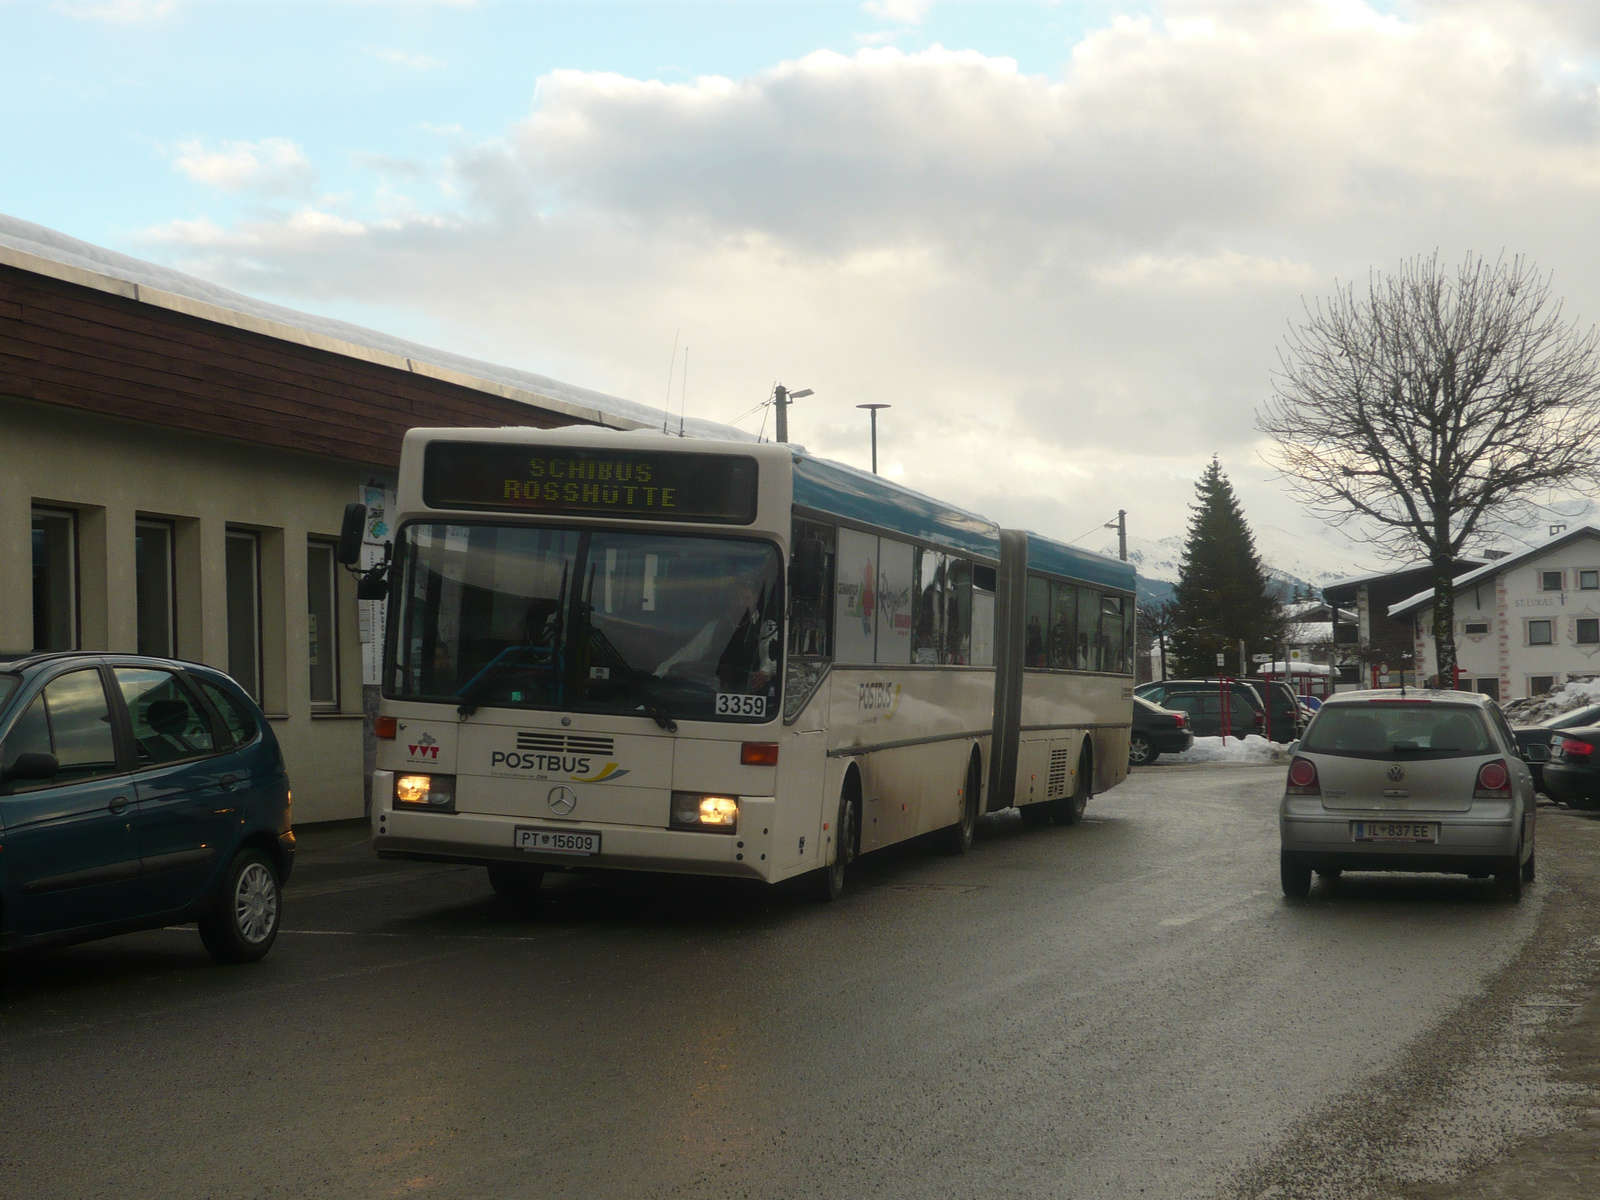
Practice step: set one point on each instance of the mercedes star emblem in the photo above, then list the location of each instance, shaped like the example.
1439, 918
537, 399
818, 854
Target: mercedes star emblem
562, 800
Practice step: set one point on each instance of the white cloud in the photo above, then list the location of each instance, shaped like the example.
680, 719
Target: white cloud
1071, 288
404, 58
272, 165
119, 12
905, 12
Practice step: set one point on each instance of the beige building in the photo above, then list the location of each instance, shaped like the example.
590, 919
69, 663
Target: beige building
1525, 623
177, 460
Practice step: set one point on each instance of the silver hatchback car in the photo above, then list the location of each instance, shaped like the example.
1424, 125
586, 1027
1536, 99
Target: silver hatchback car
1425, 781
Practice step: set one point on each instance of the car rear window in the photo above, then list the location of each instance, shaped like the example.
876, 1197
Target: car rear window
1394, 729
8, 684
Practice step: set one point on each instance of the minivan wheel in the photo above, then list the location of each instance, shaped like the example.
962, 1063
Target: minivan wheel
243, 923
1528, 870
1296, 877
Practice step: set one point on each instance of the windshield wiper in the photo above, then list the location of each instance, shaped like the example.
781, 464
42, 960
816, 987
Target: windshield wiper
648, 703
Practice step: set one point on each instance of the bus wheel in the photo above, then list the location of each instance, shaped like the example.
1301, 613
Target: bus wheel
958, 838
514, 879
831, 878
1069, 809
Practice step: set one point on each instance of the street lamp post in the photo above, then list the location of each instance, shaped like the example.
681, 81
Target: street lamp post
783, 397
873, 409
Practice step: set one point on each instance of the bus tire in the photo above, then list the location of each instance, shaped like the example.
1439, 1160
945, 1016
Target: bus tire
1069, 809
830, 880
515, 879
958, 837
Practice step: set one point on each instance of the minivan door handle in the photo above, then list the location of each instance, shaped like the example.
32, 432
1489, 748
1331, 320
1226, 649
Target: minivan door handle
118, 803
227, 782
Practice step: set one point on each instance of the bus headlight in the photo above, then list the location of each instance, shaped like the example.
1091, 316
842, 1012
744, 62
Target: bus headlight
696, 810
436, 793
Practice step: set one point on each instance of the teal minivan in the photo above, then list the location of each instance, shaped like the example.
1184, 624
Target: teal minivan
135, 793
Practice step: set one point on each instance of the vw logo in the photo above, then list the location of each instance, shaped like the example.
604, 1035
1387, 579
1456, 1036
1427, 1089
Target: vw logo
1396, 774
562, 800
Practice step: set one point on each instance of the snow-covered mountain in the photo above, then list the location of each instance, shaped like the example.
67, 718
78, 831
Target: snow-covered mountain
1303, 560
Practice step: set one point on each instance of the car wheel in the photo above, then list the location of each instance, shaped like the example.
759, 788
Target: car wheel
1140, 751
515, 879
243, 922
1508, 879
958, 838
1296, 877
830, 880
1528, 870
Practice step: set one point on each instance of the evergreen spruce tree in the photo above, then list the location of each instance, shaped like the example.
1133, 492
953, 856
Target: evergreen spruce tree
1223, 594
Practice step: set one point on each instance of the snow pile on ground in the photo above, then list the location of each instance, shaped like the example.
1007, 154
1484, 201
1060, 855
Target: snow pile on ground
1253, 749
1530, 710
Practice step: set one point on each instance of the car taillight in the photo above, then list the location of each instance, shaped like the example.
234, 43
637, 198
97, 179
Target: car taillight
1261, 717
1182, 719
1572, 747
1494, 781
1303, 778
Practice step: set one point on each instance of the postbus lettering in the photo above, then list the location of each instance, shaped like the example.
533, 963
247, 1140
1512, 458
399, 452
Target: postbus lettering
566, 764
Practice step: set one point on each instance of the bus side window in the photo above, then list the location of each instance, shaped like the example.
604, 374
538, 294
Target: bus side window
1036, 643
957, 612
1110, 642
1088, 629
1063, 625
928, 620
811, 620
983, 582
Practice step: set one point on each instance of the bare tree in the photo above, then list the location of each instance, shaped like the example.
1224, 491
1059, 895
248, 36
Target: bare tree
1434, 407
1159, 621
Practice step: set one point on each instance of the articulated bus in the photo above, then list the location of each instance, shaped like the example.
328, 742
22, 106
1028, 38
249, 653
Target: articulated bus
625, 650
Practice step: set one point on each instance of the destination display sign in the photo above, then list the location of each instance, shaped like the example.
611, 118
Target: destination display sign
579, 481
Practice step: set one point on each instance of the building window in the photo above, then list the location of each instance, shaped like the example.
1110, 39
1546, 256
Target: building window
1588, 631
1490, 688
322, 623
1540, 685
1539, 633
1477, 627
1549, 581
55, 579
1589, 581
153, 587
244, 610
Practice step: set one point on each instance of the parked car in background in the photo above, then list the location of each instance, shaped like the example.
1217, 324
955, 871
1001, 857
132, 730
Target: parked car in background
1285, 719
1201, 701
1426, 782
137, 793
1572, 773
1535, 741
1156, 731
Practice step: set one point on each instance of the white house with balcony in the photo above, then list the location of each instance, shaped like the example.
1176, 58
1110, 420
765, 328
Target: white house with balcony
1525, 623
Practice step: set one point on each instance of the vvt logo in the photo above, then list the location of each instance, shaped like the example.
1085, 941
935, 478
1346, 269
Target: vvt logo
427, 747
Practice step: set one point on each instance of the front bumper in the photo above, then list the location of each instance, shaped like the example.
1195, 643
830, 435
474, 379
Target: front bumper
481, 839
1469, 841
1573, 784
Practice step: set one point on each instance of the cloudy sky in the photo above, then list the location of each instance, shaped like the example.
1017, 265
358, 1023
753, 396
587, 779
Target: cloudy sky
1063, 240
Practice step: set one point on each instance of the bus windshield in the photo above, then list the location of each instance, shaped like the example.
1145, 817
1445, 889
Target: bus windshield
664, 625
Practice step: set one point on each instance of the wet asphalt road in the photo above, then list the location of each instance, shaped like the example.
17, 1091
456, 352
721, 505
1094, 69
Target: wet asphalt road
1122, 1008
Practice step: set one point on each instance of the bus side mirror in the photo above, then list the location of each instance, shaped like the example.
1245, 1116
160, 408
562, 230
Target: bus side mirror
370, 588
806, 570
31, 765
355, 524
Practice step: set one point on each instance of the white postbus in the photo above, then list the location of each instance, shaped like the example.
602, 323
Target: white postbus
634, 651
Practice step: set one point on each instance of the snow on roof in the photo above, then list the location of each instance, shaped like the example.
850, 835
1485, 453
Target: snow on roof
1419, 565
1491, 569
43, 251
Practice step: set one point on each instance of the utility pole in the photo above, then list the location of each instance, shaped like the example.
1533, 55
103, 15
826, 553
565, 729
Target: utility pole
873, 409
783, 397
1121, 526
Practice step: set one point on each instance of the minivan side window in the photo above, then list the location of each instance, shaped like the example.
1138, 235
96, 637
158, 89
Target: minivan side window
234, 715
71, 720
168, 724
